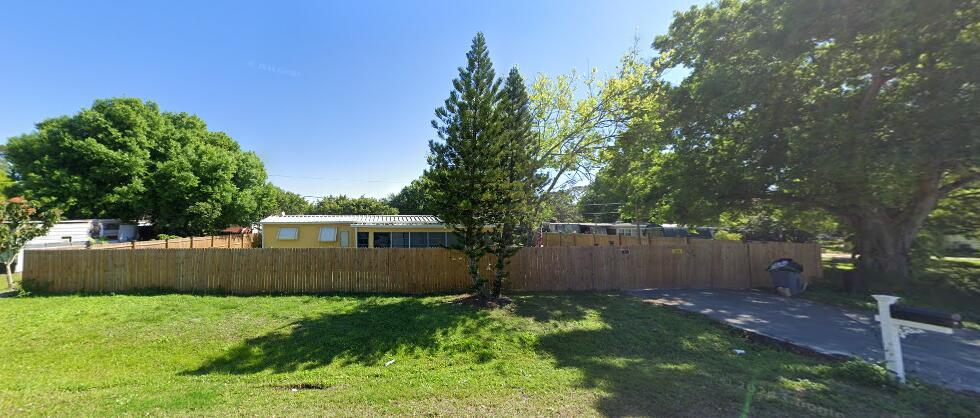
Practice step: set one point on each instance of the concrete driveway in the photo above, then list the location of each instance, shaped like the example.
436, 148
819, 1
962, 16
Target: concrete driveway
952, 361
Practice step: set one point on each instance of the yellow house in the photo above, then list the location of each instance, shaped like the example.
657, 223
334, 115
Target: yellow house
362, 231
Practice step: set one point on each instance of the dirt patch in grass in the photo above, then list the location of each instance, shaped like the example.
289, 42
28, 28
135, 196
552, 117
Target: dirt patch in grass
301, 386
483, 303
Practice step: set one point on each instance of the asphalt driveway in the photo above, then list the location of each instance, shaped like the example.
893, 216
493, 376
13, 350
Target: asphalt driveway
952, 361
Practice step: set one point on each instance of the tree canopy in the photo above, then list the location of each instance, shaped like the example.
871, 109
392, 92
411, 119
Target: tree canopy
343, 205
413, 199
561, 206
5, 181
577, 116
124, 158
866, 110
291, 203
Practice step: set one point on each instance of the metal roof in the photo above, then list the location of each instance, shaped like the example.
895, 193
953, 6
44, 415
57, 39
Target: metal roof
354, 219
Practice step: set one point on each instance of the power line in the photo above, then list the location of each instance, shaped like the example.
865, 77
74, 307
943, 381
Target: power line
339, 179
601, 204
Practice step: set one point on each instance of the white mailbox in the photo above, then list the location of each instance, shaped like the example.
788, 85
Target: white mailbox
893, 317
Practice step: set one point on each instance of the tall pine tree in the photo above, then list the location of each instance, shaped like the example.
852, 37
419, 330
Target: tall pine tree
520, 145
464, 165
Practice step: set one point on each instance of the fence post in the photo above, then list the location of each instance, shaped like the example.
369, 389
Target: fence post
132, 244
228, 241
212, 241
192, 241
166, 243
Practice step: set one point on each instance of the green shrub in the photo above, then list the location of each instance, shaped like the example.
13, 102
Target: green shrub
727, 235
28, 286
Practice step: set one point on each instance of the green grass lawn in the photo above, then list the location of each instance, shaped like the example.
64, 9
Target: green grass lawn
577, 354
948, 284
3, 286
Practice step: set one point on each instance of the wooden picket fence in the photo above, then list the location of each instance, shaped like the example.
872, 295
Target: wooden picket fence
659, 263
554, 239
676, 264
214, 241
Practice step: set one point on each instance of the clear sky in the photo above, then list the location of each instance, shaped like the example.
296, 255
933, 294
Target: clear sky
336, 98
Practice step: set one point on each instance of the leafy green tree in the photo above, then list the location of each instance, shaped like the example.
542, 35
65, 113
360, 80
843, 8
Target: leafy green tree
124, 158
464, 164
577, 117
957, 214
94, 164
521, 184
291, 203
561, 206
6, 183
605, 197
343, 205
20, 223
865, 110
412, 199
203, 181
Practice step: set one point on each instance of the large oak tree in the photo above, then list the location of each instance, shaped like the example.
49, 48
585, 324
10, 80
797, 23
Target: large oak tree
864, 109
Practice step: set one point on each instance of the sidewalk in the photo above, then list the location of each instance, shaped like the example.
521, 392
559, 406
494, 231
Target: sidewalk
952, 361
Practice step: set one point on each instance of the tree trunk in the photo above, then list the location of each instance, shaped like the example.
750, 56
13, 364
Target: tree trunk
503, 254
884, 249
10, 277
479, 284
884, 237
498, 280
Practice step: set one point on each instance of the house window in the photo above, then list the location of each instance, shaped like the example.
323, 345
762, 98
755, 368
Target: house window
399, 240
437, 239
362, 239
328, 234
382, 240
344, 239
287, 234
418, 239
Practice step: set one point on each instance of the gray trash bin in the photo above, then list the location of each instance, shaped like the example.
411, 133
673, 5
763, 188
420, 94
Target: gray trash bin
788, 279
787, 274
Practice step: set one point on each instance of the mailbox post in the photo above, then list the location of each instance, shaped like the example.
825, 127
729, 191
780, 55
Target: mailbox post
893, 317
891, 342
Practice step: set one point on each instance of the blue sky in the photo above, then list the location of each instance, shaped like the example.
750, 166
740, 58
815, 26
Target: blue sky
336, 98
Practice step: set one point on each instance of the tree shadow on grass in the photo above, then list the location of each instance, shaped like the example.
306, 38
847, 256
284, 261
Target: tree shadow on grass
369, 332
545, 307
643, 360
